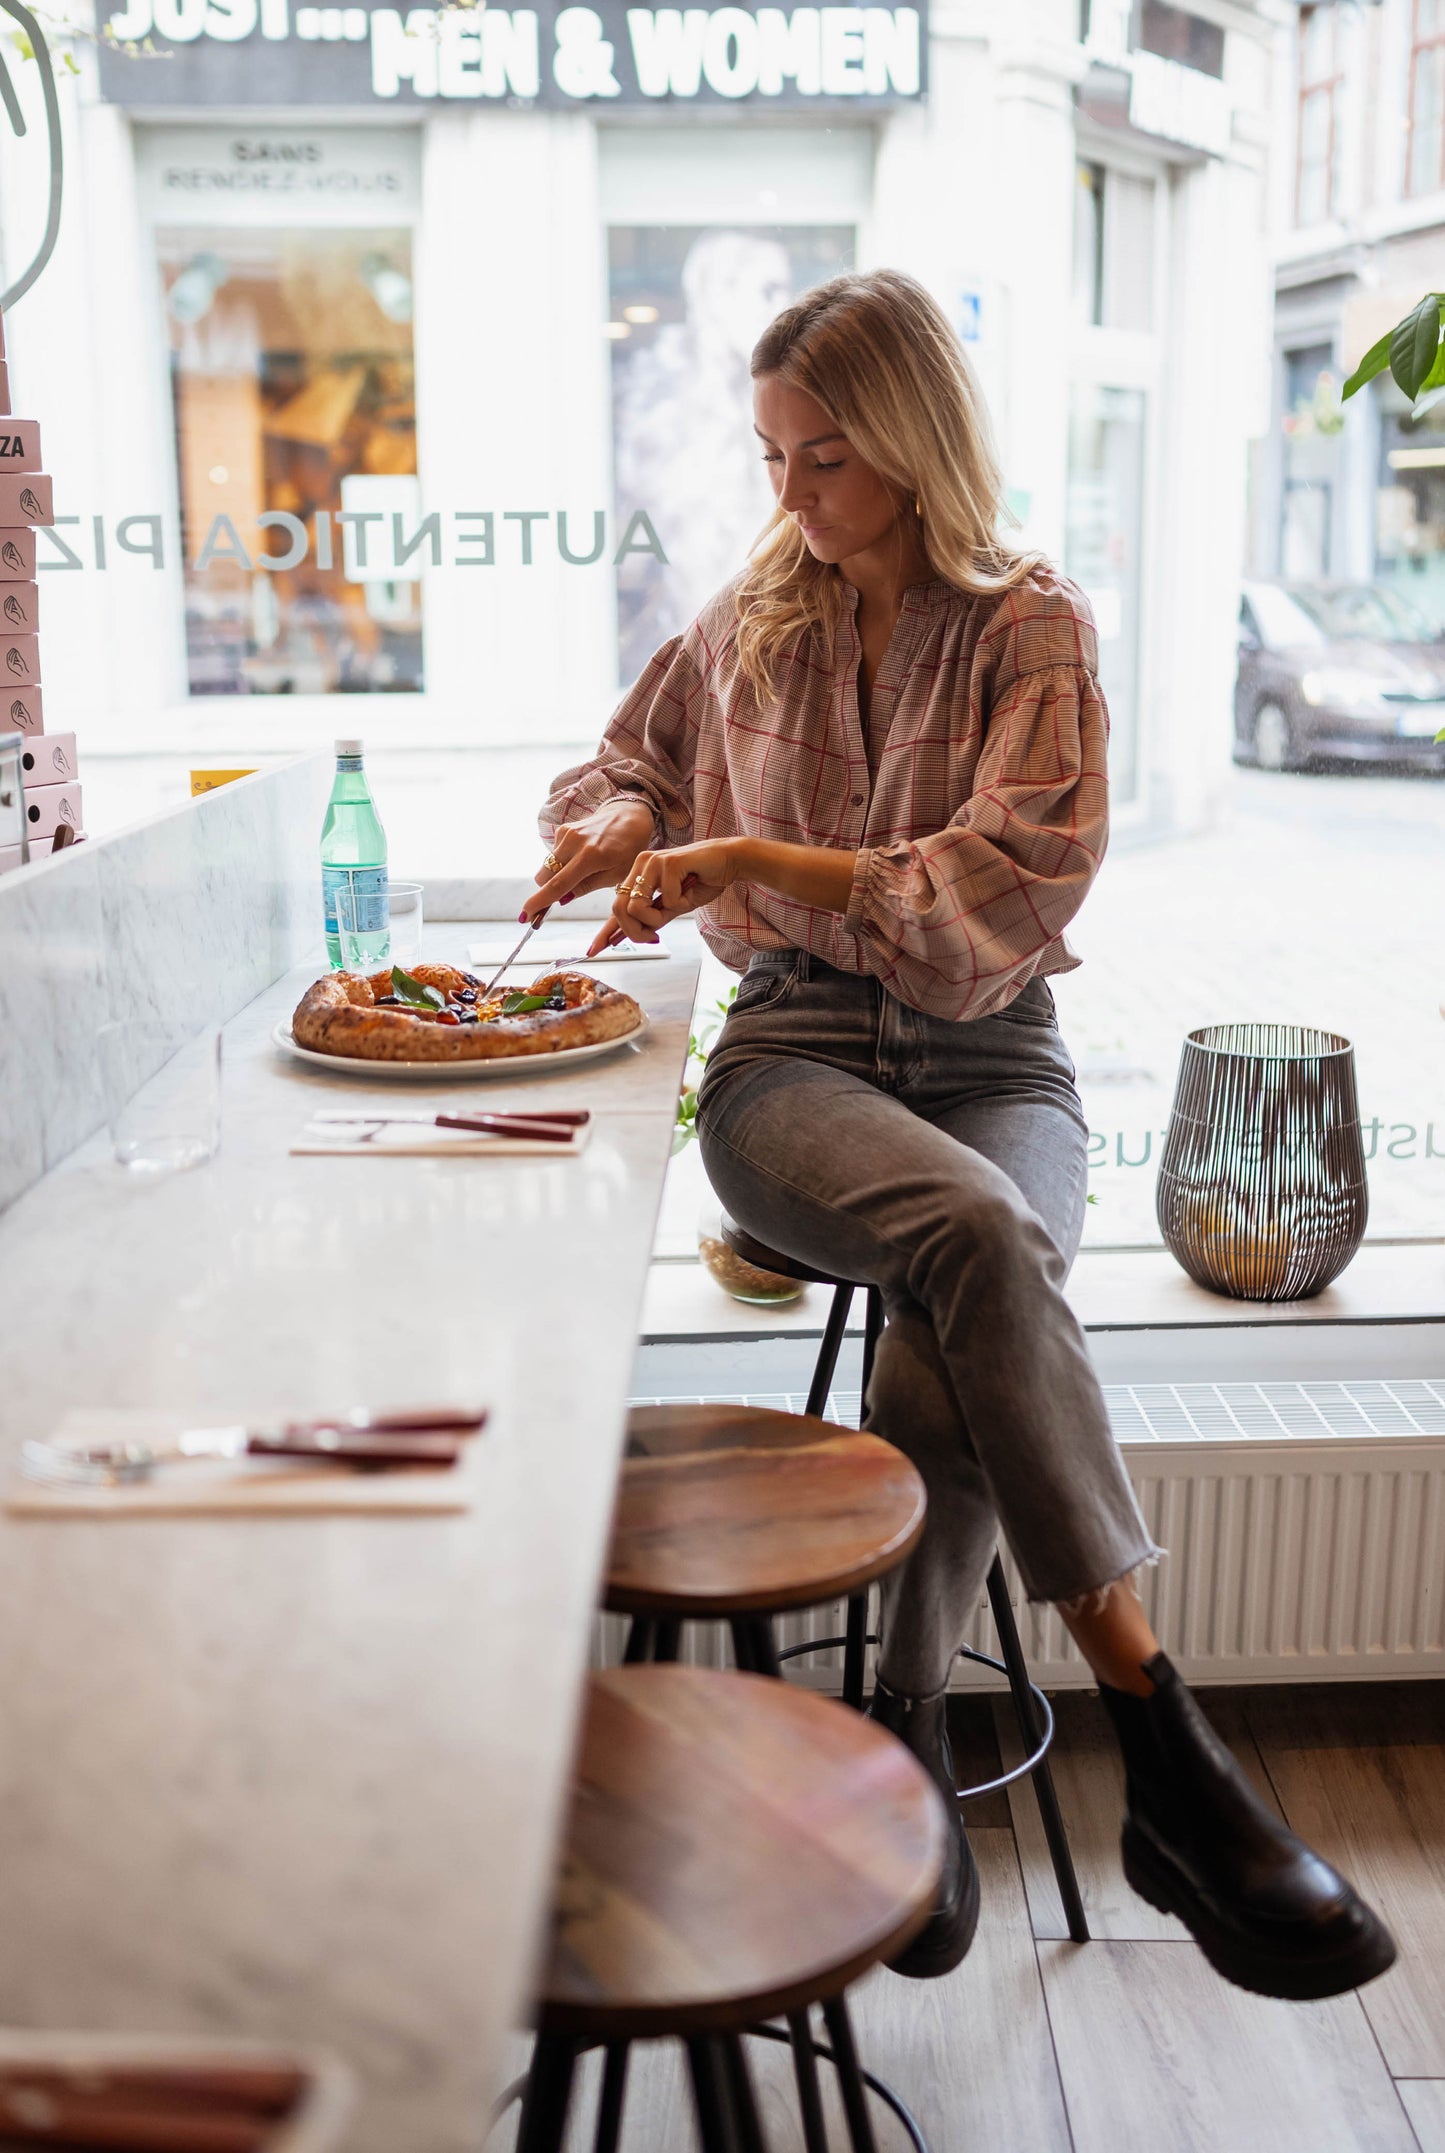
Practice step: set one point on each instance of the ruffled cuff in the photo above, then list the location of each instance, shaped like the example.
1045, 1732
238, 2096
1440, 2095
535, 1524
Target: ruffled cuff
877, 873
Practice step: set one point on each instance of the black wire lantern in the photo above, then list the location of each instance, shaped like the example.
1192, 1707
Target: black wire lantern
1262, 1191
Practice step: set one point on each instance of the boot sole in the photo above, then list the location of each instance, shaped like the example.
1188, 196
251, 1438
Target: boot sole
1295, 1978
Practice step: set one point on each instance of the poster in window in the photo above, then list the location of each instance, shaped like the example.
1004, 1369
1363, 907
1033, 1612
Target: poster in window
687, 306
295, 399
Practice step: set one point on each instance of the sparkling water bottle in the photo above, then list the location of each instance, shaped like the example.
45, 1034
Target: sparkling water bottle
353, 855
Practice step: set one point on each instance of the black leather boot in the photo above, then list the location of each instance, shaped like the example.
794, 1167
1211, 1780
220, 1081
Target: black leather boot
921, 1724
1267, 1912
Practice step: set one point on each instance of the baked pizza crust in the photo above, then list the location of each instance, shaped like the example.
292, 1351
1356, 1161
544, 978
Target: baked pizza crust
339, 1015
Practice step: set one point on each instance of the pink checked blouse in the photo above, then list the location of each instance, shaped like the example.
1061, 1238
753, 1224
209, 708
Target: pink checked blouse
976, 798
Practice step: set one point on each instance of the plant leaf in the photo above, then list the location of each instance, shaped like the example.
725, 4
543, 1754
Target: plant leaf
1376, 359
522, 1005
1414, 345
411, 990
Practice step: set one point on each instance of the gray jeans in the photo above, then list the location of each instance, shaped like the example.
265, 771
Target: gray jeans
946, 1164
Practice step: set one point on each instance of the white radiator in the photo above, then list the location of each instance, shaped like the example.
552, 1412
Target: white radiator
1304, 1524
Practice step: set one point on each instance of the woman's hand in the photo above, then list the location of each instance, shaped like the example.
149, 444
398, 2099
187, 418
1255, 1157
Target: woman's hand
662, 886
591, 854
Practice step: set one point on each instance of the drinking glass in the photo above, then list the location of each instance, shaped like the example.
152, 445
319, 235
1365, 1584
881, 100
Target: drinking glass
406, 922
162, 1094
365, 947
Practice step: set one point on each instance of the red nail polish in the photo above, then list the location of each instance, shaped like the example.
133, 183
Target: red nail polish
521, 919
569, 897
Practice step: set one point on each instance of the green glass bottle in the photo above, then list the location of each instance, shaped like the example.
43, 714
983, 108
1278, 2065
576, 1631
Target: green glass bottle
353, 853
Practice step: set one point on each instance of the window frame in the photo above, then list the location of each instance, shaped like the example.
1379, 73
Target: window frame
1433, 43
1319, 87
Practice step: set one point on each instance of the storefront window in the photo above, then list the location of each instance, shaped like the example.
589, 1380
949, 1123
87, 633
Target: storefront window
1103, 551
687, 306
1410, 505
1310, 456
1113, 248
295, 417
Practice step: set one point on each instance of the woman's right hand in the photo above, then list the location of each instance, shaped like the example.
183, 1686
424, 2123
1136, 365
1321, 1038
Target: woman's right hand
592, 854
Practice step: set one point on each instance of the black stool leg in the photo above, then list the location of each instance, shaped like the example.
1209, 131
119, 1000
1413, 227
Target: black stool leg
709, 2094
548, 2095
855, 1650
639, 1641
667, 1638
614, 2091
805, 2070
749, 2131
829, 1350
872, 1332
1043, 1778
850, 2082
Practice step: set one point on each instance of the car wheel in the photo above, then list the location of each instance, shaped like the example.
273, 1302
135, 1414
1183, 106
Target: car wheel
1273, 738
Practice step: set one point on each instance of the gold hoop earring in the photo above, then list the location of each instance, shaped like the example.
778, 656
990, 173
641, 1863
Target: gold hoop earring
918, 508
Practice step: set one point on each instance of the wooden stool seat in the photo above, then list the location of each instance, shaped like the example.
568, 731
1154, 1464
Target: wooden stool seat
764, 1258
729, 1510
736, 1849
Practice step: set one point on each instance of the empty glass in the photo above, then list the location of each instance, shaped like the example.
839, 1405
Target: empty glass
406, 921
162, 1094
362, 927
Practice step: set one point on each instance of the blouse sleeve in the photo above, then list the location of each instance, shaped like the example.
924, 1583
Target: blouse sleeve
647, 752
959, 919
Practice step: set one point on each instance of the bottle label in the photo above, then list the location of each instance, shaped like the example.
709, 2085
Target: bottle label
372, 911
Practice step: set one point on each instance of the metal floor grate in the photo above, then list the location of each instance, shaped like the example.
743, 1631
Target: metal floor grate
1207, 1412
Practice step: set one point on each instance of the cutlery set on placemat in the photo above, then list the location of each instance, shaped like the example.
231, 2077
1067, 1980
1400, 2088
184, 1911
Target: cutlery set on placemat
422, 1437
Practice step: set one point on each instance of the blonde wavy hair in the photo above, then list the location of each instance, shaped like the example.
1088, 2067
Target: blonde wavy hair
877, 352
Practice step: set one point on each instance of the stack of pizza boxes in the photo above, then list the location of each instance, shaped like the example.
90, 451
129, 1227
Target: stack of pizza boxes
51, 795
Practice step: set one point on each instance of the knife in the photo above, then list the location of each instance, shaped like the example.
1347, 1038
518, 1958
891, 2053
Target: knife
421, 1436
549, 1128
507, 962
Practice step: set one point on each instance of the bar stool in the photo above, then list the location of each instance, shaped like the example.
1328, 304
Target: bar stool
735, 1513
737, 1850
1031, 1707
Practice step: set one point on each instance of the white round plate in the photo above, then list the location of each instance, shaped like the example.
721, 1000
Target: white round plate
454, 1072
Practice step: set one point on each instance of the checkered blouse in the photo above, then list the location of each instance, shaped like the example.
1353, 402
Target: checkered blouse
979, 830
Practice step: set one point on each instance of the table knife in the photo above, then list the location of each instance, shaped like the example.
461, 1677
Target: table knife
507, 962
559, 1128
418, 1436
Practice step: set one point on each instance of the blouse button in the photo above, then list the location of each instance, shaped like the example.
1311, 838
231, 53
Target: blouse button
857, 799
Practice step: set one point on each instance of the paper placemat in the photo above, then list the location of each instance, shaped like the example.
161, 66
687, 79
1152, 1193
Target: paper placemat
240, 1487
415, 1136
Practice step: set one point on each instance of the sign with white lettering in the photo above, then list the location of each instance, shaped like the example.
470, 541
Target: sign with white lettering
216, 175
168, 53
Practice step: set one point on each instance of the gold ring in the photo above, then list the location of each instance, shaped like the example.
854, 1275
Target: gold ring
551, 865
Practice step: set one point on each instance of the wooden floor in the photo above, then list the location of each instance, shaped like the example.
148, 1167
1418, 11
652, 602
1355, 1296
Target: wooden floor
1131, 2044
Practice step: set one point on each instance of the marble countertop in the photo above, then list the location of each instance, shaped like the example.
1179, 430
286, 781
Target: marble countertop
285, 1777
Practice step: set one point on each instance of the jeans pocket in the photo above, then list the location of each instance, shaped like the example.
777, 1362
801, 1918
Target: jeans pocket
1033, 1004
761, 987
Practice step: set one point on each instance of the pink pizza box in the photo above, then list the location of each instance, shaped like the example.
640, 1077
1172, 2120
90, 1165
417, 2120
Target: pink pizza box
49, 759
19, 661
47, 806
40, 849
22, 711
26, 497
19, 608
20, 445
17, 556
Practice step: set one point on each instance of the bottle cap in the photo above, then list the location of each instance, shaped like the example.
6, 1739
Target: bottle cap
348, 747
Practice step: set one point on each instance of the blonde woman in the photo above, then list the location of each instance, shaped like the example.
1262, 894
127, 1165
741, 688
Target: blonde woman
876, 765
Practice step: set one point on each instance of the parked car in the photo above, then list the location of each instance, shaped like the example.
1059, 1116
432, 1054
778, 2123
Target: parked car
1331, 671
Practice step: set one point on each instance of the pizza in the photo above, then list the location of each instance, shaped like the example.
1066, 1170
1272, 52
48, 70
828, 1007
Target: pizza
436, 1013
